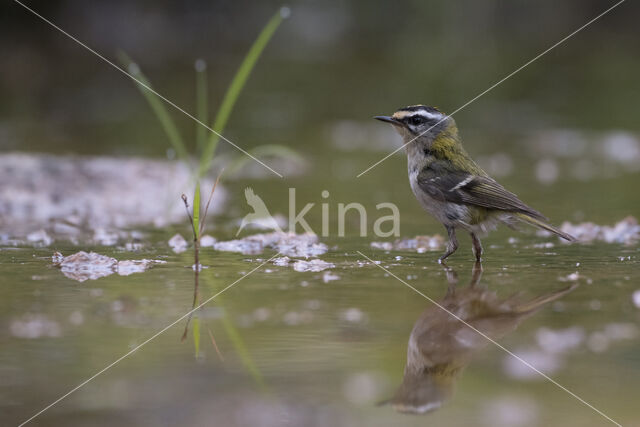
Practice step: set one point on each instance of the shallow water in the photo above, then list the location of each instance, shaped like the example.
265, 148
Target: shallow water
294, 350
283, 347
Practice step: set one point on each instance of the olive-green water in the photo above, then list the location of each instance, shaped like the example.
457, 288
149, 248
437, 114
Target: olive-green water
282, 347
296, 348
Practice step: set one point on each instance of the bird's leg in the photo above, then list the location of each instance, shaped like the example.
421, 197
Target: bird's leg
476, 274
452, 279
452, 244
477, 247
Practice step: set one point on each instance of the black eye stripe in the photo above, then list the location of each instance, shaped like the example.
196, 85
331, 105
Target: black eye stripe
416, 120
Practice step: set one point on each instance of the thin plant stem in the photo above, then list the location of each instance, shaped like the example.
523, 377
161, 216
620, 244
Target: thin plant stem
206, 209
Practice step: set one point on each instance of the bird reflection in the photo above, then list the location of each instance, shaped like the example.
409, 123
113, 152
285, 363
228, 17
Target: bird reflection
441, 346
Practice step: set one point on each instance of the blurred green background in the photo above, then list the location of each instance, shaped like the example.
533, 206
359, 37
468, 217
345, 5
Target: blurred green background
331, 60
562, 134
330, 67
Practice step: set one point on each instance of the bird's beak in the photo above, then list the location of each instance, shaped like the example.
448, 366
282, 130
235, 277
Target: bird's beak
389, 120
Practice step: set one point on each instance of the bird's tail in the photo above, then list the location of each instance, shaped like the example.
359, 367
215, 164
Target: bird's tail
545, 226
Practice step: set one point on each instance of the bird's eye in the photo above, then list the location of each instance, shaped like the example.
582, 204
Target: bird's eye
416, 120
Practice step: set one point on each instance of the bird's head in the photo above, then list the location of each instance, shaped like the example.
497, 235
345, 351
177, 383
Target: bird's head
420, 123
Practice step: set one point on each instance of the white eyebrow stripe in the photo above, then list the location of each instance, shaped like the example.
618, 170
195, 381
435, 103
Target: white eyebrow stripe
422, 113
425, 114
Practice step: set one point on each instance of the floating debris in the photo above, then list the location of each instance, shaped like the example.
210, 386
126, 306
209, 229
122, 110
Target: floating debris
294, 318
626, 231
243, 246
636, 298
281, 261
40, 238
498, 164
592, 153
363, 388
329, 277
548, 363
622, 148
33, 326
543, 245
76, 318
83, 266
261, 314
104, 237
133, 246
315, 265
207, 241
560, 340
178, 244
547, 171
312, 304
420, 244
67, 230
288, 244
600, 341
353, 315
112, 192
621, 331
127, 267
199, 267
510, 410
57, 258
573, 277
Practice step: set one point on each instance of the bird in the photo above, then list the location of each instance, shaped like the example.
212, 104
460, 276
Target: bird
450, 185
260, 214
440, 346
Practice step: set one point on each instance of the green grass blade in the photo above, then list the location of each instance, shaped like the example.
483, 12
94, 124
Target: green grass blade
243, 352
196, 211
202, 106
208, 280
236, 86
157, 106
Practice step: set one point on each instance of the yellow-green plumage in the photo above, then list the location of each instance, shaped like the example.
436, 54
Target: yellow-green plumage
450, 185
447, 146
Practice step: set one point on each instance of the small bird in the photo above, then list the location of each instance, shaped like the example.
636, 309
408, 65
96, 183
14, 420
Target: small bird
450, 185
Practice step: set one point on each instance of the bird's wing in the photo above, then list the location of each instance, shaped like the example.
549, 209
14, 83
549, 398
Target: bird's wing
445, 183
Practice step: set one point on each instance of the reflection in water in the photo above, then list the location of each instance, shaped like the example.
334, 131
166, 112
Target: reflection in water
232, 332
440, 346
